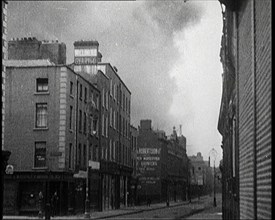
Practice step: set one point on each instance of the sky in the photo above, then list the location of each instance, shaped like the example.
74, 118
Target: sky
166, 52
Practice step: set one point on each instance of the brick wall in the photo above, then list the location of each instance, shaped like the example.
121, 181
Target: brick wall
4, 57
263, 107
31, 49
246, 114
255, 109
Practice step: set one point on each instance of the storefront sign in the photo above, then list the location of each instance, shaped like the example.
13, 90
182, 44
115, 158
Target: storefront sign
85, 60
95, 165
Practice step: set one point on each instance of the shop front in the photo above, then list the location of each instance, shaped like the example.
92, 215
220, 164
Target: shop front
28, 192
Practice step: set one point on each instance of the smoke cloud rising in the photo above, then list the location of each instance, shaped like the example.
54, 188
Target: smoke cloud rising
136, 37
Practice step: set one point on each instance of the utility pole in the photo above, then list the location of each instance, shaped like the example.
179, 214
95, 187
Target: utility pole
214, 153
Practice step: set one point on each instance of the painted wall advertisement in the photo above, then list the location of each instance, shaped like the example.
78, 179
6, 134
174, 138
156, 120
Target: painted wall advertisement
148, 161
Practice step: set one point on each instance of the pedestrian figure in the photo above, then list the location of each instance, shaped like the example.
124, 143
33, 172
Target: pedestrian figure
148, 202
40, 197
54, 203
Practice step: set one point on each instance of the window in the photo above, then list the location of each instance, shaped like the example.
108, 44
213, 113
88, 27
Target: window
106, 126
90, 152
79, 154
114, 151
94, 126
42, 85
71, 115
111, 118
80, 92
85, 123
103, 123
114, 119
110, 150
84, 159
97, 101
114, 88
40, 154
123, 102
111, 87
41, 115
80, 120
71, 88
103, 97
85, 94
107, 100
126, 104
70, 156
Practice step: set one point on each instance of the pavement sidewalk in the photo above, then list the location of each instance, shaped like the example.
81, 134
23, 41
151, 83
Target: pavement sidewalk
195, 206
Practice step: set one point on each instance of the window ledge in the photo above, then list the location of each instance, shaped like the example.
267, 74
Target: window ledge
40, 168
41, 129
42, 93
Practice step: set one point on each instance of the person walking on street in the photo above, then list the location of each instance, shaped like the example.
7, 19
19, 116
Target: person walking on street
54, 203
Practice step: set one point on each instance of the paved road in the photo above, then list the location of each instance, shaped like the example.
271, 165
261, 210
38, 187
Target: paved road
202, 209
198, 209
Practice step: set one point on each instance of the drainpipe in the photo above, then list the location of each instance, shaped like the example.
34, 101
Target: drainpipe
253, 37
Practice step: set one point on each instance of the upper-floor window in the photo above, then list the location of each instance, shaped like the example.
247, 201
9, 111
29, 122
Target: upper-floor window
42, 85
103, 97
80, 92
41, 115
40, 154
71, 117
85, 123
80, 120
71, 88
114, 88
70, 156
111, 87
85, 94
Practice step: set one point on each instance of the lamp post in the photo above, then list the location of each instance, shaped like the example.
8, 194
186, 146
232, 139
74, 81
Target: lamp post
214, 153
87, 201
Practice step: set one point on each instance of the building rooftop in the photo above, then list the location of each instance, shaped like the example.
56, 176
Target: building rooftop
27, 63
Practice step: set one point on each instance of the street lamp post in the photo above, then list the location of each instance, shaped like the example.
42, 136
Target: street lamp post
213, 153
87, 202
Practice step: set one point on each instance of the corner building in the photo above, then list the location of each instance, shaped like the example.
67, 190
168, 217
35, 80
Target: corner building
245, 112
115, 149
51, 146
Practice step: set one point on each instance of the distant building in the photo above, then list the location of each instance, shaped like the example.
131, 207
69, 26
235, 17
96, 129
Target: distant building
245, 111
151, 164
177, 167
52, 131
201, 176
161, 165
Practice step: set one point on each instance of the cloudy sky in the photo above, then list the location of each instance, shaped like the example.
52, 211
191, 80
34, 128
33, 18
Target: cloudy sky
167, 53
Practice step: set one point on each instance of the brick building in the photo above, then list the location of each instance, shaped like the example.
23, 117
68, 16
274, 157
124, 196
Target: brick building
245, 112
151, 164
115, 161
133, 182
58, 112
177, 167
4, 153
161, 165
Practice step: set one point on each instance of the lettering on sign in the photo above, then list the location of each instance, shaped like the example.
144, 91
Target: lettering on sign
85, 60
149, 150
